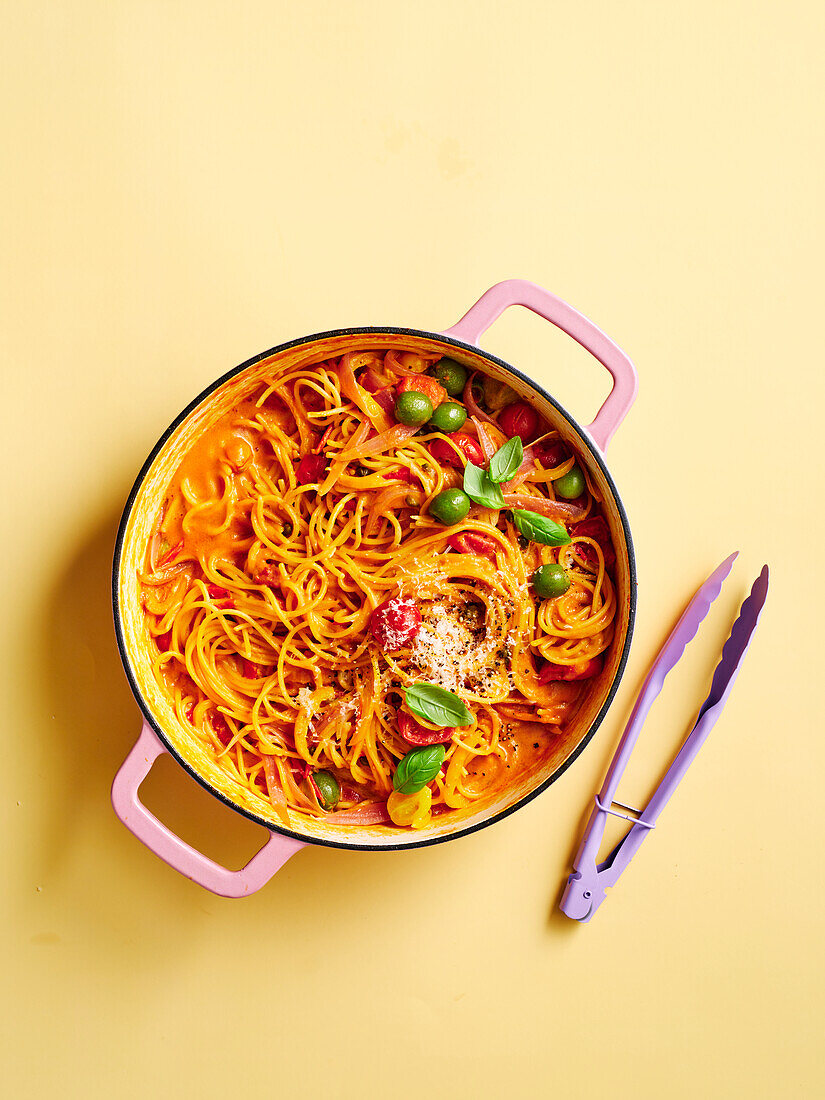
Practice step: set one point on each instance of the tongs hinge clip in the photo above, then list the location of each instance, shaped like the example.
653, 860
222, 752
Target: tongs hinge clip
637, 820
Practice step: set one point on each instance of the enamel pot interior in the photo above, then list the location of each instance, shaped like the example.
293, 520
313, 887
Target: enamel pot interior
137, 648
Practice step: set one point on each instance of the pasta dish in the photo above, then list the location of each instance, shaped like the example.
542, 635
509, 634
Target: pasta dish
378, 589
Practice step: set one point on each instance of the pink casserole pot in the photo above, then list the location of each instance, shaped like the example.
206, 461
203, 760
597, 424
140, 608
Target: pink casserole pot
160, 732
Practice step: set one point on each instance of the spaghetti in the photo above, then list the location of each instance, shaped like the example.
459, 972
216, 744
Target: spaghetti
298, 582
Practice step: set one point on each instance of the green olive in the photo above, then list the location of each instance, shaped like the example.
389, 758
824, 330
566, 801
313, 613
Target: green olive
449, 417
570, 486
550, 581
451, 375
328, 788
413, 408
450, 506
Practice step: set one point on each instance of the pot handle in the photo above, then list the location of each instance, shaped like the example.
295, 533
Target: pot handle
519, 292
176, 852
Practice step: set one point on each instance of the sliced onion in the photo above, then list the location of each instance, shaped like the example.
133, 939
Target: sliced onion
395, 437
370, 813
372, 381
485, 439
339, 463
274, 789
553, 509
359, 396
391, 361
471, 404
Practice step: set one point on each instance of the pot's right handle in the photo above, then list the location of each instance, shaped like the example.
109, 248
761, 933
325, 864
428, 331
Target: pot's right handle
519, 292
176, 852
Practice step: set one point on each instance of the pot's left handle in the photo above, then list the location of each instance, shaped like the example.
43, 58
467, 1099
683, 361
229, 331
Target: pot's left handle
176, 852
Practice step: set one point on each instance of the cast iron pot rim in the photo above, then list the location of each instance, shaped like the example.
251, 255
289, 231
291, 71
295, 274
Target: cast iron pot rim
388, 330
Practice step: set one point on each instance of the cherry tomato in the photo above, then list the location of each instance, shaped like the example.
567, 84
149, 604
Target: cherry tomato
519, 419
551, 452
416, 734
311, 469
395, 623
595, 528
411, 810
468, 542
582, 671
443, 452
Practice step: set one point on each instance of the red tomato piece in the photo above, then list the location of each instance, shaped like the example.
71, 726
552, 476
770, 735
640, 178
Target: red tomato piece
170, 555
225, 602
268, 575
551, 452
416, 734
596, 528
311, 399
164, 641
519, 419
314, 786
252, 671
301, 769
582, 671
403, 473
319, 447
422, 383
311, 469
395, 623
468, 542
221, 727
441, 450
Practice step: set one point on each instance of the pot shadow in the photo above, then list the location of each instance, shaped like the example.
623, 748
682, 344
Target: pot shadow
93, 720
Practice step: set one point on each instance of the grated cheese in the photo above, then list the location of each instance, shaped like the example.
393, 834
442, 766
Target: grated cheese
447, 653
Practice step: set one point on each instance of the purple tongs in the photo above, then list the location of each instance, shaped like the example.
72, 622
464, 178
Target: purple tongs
587, 884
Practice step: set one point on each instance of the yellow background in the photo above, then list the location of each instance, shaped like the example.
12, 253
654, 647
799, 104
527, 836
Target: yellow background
187, 184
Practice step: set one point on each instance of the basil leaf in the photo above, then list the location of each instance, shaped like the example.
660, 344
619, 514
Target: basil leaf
437, 705
418, 768
479, 487
507, 460
539, 528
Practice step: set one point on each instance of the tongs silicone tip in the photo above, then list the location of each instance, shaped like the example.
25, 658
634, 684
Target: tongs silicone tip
588, 882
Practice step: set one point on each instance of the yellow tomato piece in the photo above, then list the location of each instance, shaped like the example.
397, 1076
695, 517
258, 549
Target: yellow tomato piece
410, 809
